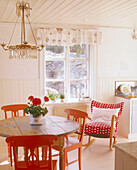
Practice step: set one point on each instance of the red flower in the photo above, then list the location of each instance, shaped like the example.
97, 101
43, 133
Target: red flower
31, 98
46, 99
36, 101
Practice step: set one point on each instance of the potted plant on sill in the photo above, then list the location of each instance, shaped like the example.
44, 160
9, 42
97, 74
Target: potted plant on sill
52, 96
36, 110
62, 97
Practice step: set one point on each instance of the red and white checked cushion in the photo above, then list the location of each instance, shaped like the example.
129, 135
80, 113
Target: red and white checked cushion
98, 128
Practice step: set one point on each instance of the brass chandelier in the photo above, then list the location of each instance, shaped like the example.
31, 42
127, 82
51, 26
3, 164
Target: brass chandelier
23, 50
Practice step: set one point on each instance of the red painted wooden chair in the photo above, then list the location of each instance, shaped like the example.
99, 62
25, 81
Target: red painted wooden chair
73, 143
32, 143
13, 110
102, 129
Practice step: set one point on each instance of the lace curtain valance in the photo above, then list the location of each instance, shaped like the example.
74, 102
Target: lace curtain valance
60, 36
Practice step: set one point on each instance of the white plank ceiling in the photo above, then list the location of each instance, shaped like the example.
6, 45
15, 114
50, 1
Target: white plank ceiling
102, 13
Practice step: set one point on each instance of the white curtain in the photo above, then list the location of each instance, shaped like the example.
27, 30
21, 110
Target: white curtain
61, 36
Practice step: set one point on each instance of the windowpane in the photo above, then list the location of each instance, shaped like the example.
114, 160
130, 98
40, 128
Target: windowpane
54, 52
59, 86
57, 63
55, 69
79, 51
78, 87
78, 69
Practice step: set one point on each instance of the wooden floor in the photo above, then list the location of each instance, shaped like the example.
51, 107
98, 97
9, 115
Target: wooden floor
95, 157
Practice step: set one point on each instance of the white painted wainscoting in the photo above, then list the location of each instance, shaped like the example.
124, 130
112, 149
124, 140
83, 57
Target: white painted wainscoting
17, 91
106, 88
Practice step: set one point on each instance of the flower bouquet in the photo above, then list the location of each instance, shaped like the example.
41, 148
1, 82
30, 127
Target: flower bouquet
35, 109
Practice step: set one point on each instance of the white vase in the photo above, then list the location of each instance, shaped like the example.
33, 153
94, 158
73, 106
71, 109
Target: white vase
35, 121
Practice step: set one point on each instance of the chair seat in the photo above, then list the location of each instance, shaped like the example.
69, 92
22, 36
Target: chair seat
42, 165
98, 128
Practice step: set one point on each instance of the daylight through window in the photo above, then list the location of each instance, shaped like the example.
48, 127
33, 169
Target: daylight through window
67, 69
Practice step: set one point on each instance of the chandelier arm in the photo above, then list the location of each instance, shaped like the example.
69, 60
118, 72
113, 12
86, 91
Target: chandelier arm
13, 32
32, 30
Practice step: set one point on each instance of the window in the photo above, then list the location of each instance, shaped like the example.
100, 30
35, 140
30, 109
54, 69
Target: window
67, 69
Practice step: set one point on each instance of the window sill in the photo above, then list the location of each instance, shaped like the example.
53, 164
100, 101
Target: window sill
58, 102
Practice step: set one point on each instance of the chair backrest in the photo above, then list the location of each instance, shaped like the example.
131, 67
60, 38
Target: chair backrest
108, 106
14, 109
78, 116
31, 144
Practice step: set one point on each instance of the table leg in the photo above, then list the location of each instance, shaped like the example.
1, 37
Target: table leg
44, 153
17, 152
24, 154
61, 153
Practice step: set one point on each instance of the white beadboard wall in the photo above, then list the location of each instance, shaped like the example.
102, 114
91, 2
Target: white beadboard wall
17, 91
104, 95
106, 88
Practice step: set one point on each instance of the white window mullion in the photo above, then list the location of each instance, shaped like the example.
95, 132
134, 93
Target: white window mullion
42, 74
67, 71
55, 59
89, 71
79, 80
54, 80
79, 59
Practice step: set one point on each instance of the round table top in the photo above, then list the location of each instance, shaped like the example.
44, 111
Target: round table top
18, 126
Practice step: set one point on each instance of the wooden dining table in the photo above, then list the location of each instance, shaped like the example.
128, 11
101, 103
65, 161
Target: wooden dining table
55, 125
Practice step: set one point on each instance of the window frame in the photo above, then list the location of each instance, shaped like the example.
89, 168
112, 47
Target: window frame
67, 79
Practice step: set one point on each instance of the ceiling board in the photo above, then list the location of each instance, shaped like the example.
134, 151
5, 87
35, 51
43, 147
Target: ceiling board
49, 8
68, 5
103, 13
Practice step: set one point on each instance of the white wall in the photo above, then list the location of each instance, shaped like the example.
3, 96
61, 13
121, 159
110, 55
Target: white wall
117, 60
18, 78
15, 69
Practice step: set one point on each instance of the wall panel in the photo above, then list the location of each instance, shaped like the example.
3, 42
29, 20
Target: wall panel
106, 88
17, 91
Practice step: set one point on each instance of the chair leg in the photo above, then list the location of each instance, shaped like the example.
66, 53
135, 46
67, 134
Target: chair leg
115, 140
110, 145
66, 160
10, 153
65, 157
55, 168
111, 132
89, 142
79, 157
